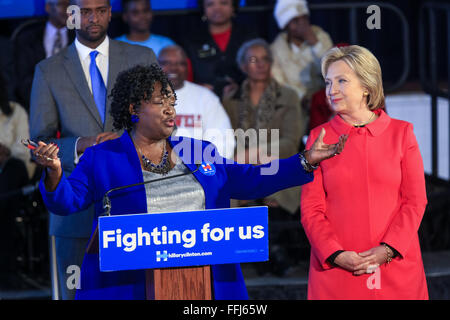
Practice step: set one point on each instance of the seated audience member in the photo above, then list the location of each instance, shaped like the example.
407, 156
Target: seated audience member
200, 113
320, 111
38, 42
13, 176
297, 50
212, 48
13, 128
138, 15
262, 103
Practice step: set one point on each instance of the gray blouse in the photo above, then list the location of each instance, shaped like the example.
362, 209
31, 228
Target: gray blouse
184, 193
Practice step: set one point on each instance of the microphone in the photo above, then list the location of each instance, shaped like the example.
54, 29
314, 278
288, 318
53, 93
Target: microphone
107, 201
92, 247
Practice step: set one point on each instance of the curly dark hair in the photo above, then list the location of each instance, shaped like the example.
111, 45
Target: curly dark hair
133, 86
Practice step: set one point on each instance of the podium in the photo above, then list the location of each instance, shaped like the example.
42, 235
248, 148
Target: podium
177, 249
185, 283
179, 283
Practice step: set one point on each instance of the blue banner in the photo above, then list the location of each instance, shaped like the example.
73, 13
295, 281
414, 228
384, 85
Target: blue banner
181, 239
30, 8
14, 8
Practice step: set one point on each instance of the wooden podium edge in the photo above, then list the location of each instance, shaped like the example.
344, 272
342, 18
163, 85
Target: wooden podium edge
184, 283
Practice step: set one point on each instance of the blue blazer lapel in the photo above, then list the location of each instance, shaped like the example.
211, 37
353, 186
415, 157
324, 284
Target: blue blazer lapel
75, 70
130, 200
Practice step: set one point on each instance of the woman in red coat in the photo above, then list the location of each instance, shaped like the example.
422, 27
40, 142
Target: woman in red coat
363, 209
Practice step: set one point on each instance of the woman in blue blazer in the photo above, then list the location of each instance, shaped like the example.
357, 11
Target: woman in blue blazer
143, 104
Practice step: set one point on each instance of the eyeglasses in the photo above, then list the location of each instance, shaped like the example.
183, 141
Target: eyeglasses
255, 60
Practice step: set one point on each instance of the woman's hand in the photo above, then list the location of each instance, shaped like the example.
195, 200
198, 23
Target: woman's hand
320, 151
230, 89
47, 156
352, 261
377, 256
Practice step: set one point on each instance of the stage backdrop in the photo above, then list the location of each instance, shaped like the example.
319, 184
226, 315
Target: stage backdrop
36, 8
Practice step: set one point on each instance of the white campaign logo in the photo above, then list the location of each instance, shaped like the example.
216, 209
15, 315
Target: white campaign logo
162, 236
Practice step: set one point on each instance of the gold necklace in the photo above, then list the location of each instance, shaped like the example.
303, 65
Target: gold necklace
363, 124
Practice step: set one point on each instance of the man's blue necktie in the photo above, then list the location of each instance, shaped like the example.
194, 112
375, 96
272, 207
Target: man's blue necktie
98, 86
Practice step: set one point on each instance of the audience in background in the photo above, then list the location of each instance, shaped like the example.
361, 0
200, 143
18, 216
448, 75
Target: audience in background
37, 42
138, 16
297, 51
263, 103
7, 66
212, 48
200, 113
14, 128
13, 176
320, 110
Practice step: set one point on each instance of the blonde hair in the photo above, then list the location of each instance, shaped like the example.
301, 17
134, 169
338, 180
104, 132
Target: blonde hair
366, 67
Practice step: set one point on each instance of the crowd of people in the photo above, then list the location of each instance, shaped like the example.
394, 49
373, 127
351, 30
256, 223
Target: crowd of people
225, 77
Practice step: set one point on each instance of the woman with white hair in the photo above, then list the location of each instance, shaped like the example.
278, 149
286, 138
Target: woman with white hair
261, 103
363, 209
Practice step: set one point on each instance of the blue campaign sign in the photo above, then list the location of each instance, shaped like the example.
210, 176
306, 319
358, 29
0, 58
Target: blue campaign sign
181, 239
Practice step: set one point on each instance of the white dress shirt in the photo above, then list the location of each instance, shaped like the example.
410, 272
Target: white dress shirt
102, 60
50, 36
200, 115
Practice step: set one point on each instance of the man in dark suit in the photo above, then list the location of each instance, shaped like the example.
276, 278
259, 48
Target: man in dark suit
70, 94
38, 41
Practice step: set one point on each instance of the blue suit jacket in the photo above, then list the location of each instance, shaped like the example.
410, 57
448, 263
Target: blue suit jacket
116, 163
